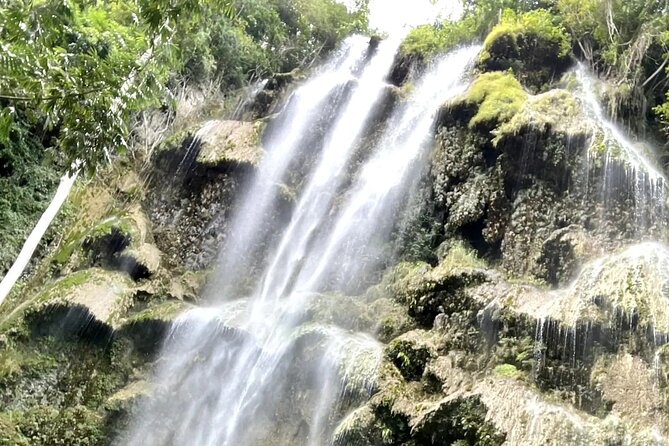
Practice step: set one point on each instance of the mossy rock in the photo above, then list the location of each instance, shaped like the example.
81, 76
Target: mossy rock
428, 292
10, 433
457, 419
74, 426
563, 253
507, 371
148, 327
496, 97
88, 298
359, 428
411, 352
557, 111
633, 284
355, 356
101, 244
531, 44
231, 142
125, 398
141, 262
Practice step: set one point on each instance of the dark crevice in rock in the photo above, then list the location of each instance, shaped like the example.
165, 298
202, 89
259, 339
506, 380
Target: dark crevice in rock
66, 321
102, 250
135, 269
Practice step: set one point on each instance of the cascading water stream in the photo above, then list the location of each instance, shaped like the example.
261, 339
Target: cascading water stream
374, 198
329, 174
647, 183
282, 147
272, 327
261, 360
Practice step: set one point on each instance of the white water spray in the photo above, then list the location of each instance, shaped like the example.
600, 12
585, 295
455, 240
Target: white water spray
282, 147
261, 360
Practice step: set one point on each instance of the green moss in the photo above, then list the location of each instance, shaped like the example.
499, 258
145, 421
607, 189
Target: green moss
10, 435
74, 426
460, 255
532, 44
164, 311
458, 421
557, 110
121, 223
507, 370
425, 41
499, 97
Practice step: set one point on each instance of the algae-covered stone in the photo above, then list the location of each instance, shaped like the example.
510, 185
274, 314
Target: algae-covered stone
430, 291
359, 428
531, 44
128, 395
231, 141
533, 219
411, 352
141, 261
456, 418
633, 282
93, 294
563, 253
101, 244
557, 111
498, 95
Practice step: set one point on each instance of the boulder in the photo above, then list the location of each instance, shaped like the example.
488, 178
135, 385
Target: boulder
230, 142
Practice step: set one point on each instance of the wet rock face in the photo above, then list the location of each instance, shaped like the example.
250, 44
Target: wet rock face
458, 420
189, 215
510, 183
561, 255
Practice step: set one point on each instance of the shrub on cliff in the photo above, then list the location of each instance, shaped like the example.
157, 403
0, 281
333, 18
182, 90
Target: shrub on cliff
426, 40
532, 44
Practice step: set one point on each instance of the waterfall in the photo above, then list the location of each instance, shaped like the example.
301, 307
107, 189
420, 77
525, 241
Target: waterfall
283, 145
355, 244
263, 369
645, 183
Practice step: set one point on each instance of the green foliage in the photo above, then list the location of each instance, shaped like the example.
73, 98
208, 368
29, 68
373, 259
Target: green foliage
487, 13
79, 72
662, 111
507, 370
539, 24
75, 73
499, 96
628, 42
534, 45
27, 178
426, 40
48, 426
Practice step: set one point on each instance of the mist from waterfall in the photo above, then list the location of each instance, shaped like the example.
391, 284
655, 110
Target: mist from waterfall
263, 369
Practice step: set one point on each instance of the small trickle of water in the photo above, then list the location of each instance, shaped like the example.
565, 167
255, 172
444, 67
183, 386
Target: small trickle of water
250, 95
191, 152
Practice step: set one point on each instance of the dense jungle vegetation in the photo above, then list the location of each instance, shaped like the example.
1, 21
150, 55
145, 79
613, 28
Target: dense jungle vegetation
76, 77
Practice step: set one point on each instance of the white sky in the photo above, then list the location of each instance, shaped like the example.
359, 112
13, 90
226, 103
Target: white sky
392, 15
